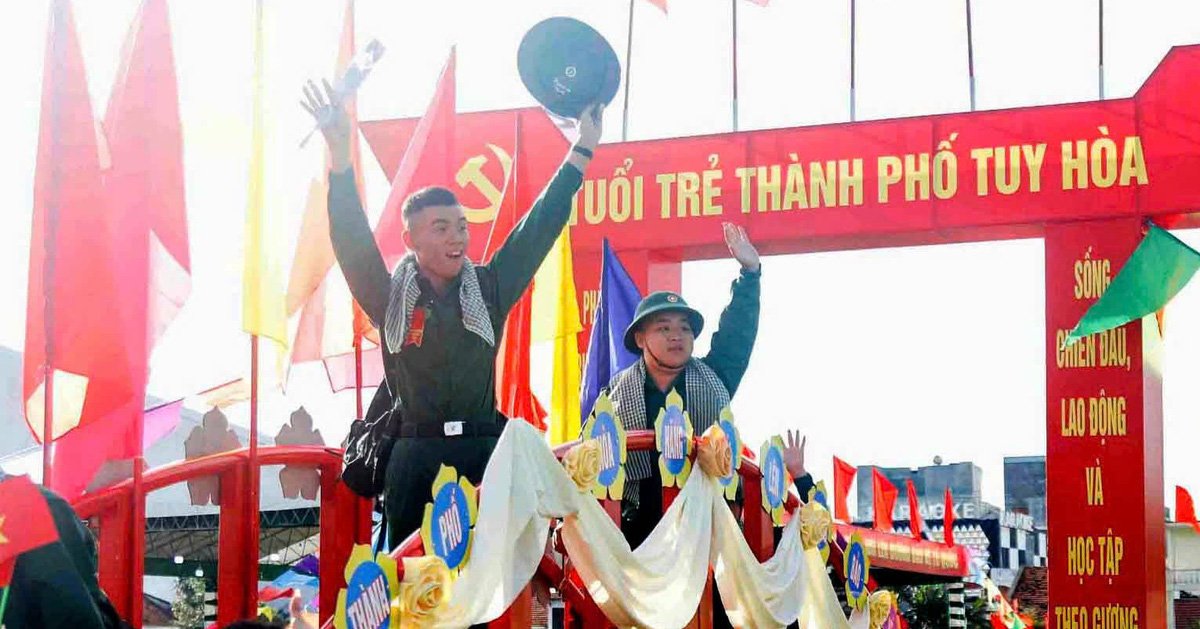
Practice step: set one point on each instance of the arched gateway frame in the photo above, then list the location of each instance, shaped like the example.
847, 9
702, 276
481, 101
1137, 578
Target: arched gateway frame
1084, 177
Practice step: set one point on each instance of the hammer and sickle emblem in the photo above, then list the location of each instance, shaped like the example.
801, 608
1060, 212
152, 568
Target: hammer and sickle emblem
471, 174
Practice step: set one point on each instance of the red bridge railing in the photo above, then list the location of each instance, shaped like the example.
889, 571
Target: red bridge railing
118, 512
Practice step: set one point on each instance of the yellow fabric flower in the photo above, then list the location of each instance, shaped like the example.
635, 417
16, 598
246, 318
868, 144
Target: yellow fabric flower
879, 605
814, 524
426, 584
714, 455
582, 463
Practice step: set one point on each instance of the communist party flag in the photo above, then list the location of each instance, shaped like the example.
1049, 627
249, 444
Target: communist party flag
885, 498
514, 395
949, 519
914, 510
25, 523
1185, 509
843, 476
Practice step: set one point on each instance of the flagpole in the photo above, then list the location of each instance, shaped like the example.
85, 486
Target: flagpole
1100, 36
58, 17
253, 474
358, 376
852, 29
733, 3
628, 68
970, 57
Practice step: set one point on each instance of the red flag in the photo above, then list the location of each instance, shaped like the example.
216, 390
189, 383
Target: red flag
661, 4
914, 510
843, 476
145, 181
73, 294
948, 521
428, 161
25, 523
514, 395
1185, 509
144, 190
885, 498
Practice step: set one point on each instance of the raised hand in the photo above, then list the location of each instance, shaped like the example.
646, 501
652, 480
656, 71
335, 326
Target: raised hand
793, 454
740, 247
591, 126
327, 110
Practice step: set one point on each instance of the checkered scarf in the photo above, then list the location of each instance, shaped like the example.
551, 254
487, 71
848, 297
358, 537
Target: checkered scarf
706, 396
406, 290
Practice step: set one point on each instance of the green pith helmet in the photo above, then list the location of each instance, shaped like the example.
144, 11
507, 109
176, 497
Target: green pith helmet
654, 303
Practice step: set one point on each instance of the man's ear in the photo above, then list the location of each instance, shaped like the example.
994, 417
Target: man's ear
639, 337
406, 236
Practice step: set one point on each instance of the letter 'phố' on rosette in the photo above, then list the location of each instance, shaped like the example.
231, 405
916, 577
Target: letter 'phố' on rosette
448, 526
609, 434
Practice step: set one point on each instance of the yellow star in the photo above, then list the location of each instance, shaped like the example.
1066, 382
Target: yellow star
3, 539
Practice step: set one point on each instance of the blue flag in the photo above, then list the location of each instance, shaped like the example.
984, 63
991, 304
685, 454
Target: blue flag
606, 354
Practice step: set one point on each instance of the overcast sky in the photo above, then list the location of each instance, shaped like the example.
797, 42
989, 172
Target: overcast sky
877, 355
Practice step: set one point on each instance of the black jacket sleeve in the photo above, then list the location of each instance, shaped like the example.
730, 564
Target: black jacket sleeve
518, 259
355, 248
733, 341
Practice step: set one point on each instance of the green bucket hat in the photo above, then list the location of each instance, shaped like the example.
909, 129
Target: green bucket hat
661, 301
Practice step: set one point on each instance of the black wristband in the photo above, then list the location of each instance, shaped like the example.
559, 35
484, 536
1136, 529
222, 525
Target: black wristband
582, 151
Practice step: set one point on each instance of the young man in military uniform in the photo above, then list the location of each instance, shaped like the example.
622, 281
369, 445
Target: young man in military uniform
663, 331
440, 316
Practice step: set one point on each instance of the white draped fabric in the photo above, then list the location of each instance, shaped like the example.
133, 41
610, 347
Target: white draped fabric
658, 585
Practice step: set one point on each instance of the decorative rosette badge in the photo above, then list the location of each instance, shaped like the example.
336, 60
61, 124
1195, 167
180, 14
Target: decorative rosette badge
603, 427
819, 495
730, 483
857, 569
449, 525
371, 584
775, 479
673, 438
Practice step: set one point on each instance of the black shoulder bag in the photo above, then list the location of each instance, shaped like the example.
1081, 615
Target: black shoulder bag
369, 445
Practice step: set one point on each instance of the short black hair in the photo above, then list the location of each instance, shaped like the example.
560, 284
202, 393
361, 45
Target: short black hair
257, 623
432, 196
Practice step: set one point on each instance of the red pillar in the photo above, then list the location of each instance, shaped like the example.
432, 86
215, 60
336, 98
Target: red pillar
343, 519
1104, 482
237, 569
756, 522
114, 547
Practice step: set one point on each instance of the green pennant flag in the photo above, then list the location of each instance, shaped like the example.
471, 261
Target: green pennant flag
1159, 268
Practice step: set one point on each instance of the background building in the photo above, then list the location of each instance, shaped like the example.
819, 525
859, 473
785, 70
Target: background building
1003, 540
963, 479
1025, 486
